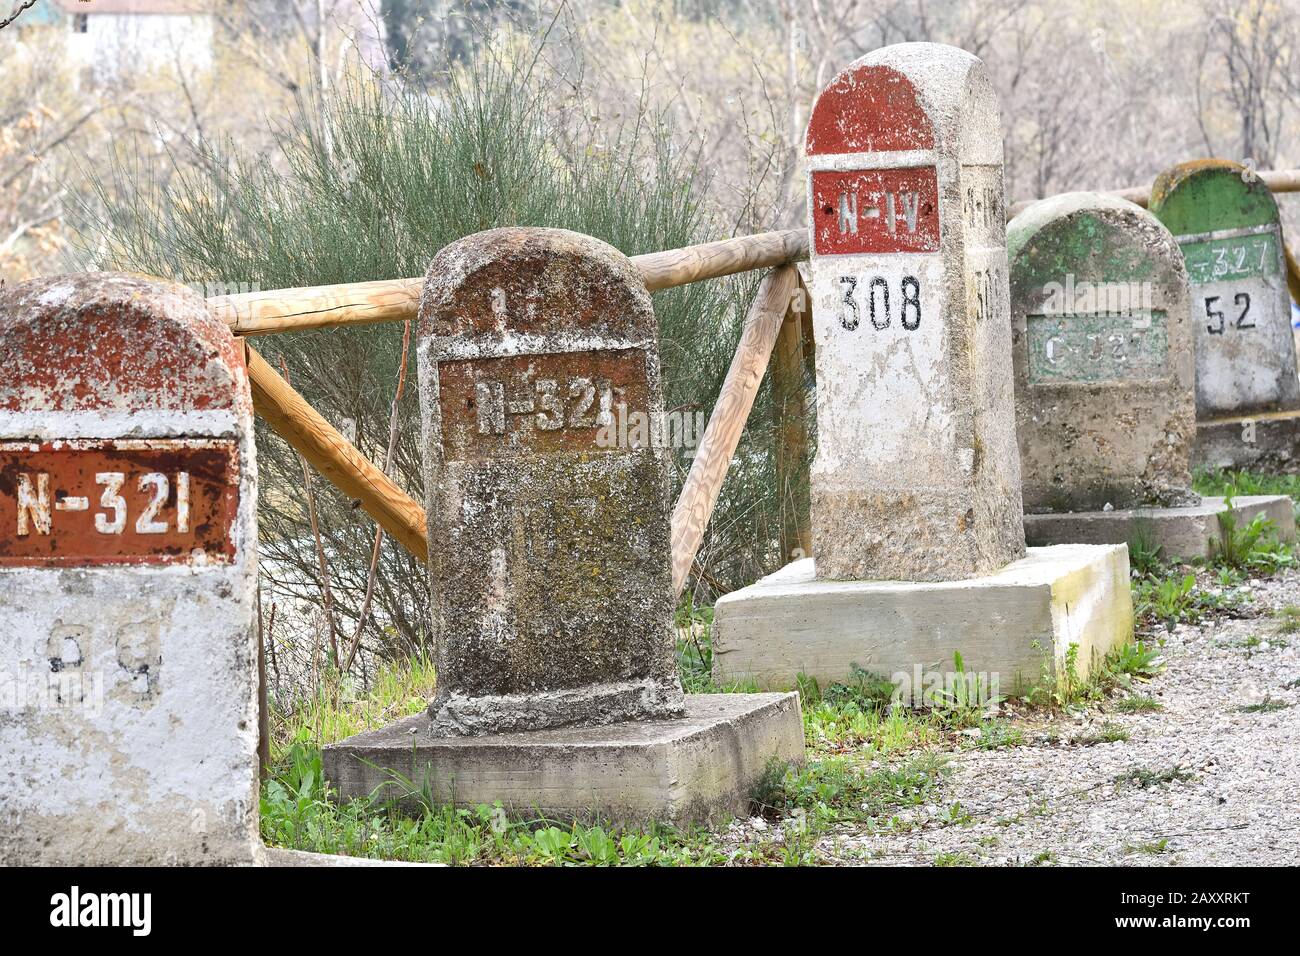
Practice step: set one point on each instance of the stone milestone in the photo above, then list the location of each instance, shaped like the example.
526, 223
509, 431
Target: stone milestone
128, 566
1226, 221
1103, 352
916, 475
549, 527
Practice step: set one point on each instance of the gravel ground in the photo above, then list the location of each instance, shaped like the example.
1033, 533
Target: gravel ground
1234, 801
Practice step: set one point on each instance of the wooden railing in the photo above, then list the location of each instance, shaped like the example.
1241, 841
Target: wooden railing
398, 300
777, 333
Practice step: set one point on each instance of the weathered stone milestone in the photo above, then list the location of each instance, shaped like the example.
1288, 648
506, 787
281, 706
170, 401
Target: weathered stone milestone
548, 527
1226, 220
1103, 352
916, 475
128, 655
547, 488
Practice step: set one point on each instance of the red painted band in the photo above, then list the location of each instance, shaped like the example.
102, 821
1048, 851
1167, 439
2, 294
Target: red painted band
875, 210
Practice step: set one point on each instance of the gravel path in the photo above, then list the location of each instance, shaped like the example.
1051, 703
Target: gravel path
1223, 783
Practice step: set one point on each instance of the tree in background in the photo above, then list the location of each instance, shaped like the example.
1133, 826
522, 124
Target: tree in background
1256, 46
16, 10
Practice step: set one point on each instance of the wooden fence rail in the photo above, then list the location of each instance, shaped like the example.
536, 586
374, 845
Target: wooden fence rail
1278, 180
396, 300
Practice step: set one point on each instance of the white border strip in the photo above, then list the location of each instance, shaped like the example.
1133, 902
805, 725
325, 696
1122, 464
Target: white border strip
54, 425
892, 159
1228, 233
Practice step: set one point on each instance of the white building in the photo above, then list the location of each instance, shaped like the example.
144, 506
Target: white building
116, 37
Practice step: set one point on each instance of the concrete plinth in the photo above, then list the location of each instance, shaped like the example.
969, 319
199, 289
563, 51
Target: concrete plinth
1013, 624
694, 769
1181, 533
1265, 441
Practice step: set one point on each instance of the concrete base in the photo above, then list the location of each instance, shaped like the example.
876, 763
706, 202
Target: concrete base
1265, 441
1015, 624
1181, 533
694, 769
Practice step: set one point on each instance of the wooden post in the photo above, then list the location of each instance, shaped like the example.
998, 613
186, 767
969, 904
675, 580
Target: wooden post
789, 367
712, 458
293, 419
1292, 272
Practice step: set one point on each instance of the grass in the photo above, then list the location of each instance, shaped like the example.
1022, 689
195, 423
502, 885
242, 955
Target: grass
1138, 704
996, 735
1169, 595
1144, 555
334, 713
836, 790
870, 758
1108, 734
1062, 687
857, 714
1174, 598
1225, 483
1265, 706
1252, 546
1153, 847
1254, 644
298, 812
955, 859
832, 788
1145, 778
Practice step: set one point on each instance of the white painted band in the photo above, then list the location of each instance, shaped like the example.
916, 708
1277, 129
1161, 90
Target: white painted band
53, 425
893, 159
1228, 233
446, 348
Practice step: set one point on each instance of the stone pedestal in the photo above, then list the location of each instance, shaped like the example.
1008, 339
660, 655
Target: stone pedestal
693, 769
1264, 441
1017, 623
1181, 533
